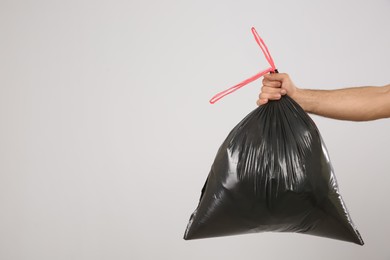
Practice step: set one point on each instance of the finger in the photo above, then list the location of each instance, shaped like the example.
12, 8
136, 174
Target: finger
271, 90
273, 84
261, 101
270, 96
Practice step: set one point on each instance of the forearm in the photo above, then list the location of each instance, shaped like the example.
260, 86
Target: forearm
356, 104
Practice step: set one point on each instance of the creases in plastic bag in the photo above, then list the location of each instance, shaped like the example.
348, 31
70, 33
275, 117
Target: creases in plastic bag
272, 173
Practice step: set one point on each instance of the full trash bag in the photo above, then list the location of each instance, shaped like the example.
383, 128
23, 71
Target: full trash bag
272, 173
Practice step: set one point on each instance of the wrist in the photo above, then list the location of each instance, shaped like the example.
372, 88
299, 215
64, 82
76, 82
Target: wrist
300, 96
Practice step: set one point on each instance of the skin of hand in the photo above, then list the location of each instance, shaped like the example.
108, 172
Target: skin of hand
276, 85
355, 104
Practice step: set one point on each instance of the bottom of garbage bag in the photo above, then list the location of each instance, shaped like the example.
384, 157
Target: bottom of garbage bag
291, 212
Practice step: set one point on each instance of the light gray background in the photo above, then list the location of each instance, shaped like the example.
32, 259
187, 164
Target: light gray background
107, 136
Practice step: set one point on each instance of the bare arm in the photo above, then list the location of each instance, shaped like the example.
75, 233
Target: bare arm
356, 104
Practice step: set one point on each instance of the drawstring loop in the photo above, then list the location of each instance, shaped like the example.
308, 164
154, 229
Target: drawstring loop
271, 69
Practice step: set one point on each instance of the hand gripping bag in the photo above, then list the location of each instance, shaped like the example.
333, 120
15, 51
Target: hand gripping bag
272, 173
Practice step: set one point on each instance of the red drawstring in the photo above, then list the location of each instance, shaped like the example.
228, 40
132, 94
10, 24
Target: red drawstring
264, 48
267, 55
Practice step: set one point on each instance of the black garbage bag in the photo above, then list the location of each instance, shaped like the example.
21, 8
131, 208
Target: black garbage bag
272, 173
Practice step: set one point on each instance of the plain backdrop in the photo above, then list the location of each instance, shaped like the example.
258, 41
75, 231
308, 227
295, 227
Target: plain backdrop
107, 136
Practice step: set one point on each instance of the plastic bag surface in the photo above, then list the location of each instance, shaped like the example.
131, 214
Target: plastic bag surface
272, 173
